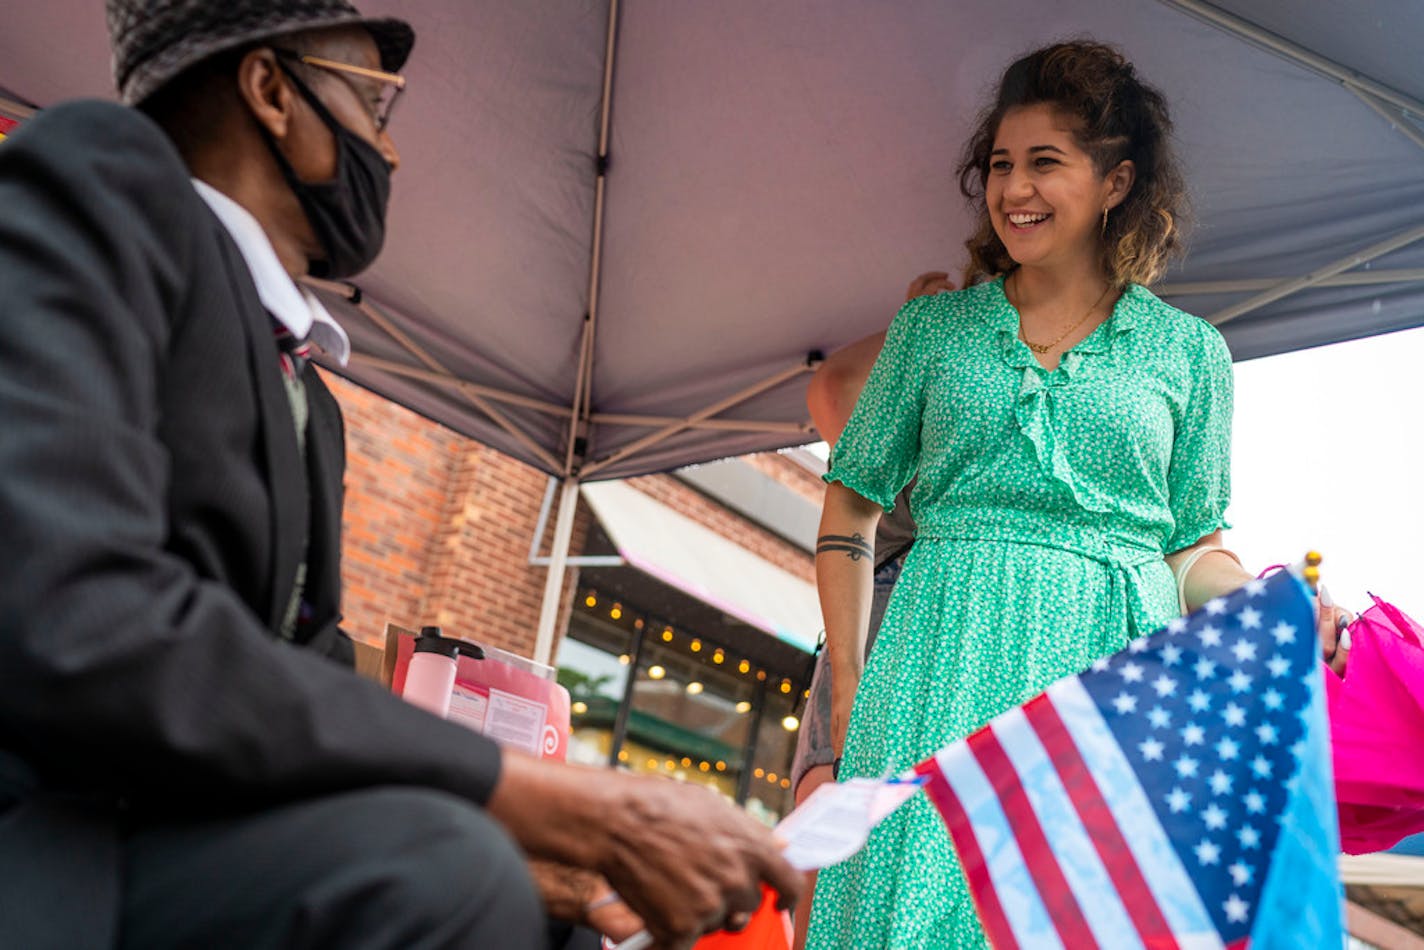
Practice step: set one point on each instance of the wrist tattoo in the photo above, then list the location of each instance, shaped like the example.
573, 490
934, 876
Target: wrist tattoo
855, 546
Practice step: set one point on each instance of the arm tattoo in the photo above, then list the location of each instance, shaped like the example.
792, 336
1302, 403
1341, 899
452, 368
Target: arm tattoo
855, 546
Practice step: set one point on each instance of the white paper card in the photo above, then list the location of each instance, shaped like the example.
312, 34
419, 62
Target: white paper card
836, 820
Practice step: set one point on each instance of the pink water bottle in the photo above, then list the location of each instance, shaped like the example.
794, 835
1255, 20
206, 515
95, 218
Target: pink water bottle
430, 677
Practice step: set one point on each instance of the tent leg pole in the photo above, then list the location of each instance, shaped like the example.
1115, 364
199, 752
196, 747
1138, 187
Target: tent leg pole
558, 560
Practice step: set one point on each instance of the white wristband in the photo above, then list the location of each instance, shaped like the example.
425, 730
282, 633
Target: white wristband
1191, 562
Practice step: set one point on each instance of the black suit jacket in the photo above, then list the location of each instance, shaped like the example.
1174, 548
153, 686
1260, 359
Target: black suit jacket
152, 504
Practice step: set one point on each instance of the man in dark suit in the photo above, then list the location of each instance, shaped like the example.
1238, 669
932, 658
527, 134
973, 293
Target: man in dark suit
181, 762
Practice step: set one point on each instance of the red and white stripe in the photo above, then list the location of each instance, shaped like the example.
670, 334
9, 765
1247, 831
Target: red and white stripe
1058, 840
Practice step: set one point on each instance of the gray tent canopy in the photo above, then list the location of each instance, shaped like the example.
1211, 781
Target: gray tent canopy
624, 230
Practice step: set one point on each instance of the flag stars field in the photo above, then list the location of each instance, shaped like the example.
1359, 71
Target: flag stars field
1208, 852
1182, 751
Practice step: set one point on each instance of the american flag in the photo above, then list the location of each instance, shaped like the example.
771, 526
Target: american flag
1178, 794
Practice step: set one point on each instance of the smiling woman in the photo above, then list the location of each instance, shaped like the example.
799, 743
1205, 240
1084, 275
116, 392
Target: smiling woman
1068, 435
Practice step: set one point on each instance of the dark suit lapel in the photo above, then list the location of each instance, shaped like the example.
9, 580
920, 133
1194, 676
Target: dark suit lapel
326, 462
287, 481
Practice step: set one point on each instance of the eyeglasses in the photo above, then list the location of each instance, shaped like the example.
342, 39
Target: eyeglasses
391, 84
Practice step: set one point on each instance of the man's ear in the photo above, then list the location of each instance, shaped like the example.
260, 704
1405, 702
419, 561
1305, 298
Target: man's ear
262, 88
1120, 181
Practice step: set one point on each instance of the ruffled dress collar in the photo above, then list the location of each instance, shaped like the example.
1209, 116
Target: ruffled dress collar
1034, 407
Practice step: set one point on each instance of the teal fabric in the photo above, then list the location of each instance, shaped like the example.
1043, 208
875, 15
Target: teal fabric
1046, 502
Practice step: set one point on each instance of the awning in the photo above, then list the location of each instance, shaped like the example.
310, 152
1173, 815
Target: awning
683, 554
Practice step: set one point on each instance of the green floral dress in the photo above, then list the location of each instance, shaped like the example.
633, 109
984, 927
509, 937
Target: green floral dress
1046, 502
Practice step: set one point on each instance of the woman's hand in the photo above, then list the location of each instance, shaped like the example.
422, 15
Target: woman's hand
932, 282
1331, 622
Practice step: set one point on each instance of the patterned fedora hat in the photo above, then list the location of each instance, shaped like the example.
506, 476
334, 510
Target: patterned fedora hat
155, 40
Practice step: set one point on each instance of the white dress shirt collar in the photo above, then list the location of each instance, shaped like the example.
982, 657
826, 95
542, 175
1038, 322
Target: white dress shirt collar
295, 306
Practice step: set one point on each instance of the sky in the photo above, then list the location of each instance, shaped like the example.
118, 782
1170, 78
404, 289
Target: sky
1328, 455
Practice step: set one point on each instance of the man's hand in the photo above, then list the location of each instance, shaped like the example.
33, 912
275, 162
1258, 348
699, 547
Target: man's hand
680, 857
928, 283
689, 863
583, 897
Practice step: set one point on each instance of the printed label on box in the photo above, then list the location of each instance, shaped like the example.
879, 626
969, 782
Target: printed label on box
515, 721
468, 707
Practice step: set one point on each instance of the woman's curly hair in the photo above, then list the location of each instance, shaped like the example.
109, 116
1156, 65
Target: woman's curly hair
1119, 117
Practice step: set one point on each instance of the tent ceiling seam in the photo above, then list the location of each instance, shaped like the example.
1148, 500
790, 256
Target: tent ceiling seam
722, 405
454, 382
1397, 118
1188, 288
468, 390
583, 383
724, 425
1275, 43
1287, 287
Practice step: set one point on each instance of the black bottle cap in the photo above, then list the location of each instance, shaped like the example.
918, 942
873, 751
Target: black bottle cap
430, 641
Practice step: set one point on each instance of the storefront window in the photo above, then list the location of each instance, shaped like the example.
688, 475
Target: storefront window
690, 716
696, 711
594, 663
769, 791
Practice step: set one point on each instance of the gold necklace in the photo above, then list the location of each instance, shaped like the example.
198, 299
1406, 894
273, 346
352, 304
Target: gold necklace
1043, 348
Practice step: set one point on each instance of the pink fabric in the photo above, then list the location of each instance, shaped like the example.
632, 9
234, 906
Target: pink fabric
1377, 730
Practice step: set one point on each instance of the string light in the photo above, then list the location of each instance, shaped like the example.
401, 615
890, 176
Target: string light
686, 762
744, 667
771, 777
617, 612
791, 724
590, 600
718, 656
638, 624
667, 634
579, 708
624, 659
760, 773
694, 688
704, 766
786, 686
786, 783
652, 763
656, 672
695, 646
744, 707
669, 765
721, 766
761, 676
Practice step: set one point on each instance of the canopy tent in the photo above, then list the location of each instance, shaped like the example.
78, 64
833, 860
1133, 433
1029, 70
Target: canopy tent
623, 230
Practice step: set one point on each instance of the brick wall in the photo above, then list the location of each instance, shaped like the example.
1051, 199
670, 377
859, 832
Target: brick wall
437, 527
398, 471
790, 473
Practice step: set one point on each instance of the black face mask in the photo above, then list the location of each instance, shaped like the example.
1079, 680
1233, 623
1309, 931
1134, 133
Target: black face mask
348, 213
